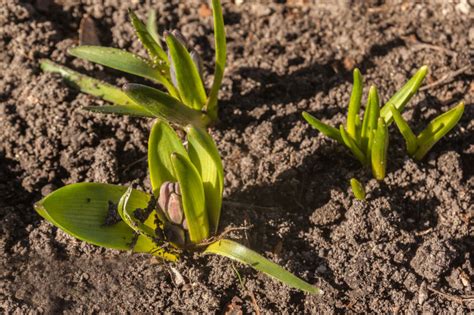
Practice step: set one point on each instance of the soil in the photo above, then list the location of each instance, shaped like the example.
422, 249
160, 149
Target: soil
407, 248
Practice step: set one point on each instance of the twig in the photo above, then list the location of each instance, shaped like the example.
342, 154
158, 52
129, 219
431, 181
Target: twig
447, 51
446, 78
134, 163
238, 204
459, 299
221, 236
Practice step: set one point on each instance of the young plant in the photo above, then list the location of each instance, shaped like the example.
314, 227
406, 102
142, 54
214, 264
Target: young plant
368, 139
176, 67
418, 146
357, 189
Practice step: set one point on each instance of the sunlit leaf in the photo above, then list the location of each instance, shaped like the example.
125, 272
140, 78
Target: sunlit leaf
402, 97
153, 47
405, 130
152, 27
122, 60
354, 106
164, 106
162, 143
129, 110
81, 210
220, 47
437, 129
371, 115
192, 192
190, 85
352, 145
325, 129
204, 155
379, 150
242, 254
357, 189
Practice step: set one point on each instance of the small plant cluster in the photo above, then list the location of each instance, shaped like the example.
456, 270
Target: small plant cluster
368, 139
183, 211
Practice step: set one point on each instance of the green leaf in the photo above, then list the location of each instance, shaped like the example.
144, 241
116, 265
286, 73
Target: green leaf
220, 44
146, 229
405, 130
122, 60
129, 110
371, 115
205, 156
163, 106
151, 26
192, 192
81, 211
402, 97
352, 145
437, 129
155, 51
354, 106
379, 150
357, 189
242, 254
124, 105
327, 130
162, 143
190, 86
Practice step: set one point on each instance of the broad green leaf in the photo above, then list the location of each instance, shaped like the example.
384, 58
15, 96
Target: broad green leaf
155, 51
242, 254
352, 145
162, 143
220, 46
190, 86
122, 60
357, 189
151, 26
437, 129
205, 156
354, 106
192, 193
379, 150
405, 130
327, 130
129, 110
402, 97
371, 115
81, 211
163, 106
86, 84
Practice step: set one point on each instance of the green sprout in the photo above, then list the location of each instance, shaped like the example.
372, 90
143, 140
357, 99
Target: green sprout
182, 212
176, 67
368, 139
418, 146
357, 189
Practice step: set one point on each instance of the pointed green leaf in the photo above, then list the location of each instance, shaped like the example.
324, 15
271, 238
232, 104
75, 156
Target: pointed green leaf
220, 46
125, 210
162, 143
190, 86
405, 130
164, 106
242, 254
122, 60
81, 211
205, 156
437, 129
357, 189
402, 97
327, 130
379, 150
151, 45
354, 106
371, 115
192, 192
352, 145
151, 26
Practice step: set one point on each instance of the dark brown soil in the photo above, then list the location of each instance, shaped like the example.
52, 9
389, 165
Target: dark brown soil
408, 248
